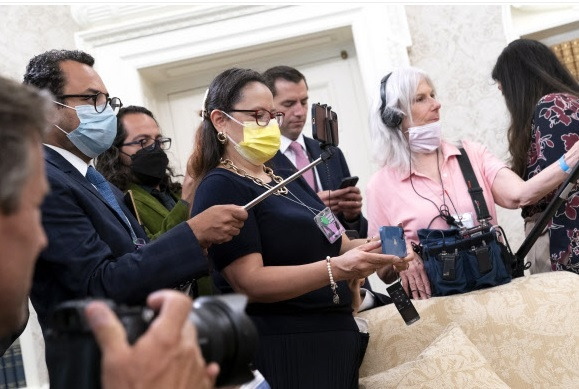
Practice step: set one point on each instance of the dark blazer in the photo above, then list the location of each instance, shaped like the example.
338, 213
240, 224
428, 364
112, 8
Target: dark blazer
90, 250
331, 173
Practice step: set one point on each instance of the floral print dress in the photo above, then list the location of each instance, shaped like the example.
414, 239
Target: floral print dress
554, 130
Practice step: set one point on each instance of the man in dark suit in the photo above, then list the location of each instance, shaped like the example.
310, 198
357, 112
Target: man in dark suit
24, 116
290, 96
95, 246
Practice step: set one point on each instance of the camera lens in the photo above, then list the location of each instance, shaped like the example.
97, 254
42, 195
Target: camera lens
226, 335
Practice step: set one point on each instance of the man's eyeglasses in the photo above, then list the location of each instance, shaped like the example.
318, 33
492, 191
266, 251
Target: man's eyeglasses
99, 100
150, 144
262, 116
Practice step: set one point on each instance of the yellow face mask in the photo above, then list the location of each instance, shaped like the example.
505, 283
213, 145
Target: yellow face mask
259, 144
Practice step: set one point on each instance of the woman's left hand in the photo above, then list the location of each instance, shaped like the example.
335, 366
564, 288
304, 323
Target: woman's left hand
414, 279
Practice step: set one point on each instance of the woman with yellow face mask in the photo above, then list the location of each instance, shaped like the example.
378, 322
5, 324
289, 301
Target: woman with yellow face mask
296, 275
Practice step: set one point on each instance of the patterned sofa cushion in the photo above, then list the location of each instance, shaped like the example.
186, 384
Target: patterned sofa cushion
451, 361
526, 330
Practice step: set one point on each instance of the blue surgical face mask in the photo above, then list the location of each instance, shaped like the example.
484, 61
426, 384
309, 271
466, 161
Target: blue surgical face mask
96, 131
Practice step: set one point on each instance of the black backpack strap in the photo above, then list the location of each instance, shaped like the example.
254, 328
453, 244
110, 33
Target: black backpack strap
475, 191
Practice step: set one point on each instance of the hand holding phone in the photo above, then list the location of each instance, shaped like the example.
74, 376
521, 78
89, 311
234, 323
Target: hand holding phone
393, 241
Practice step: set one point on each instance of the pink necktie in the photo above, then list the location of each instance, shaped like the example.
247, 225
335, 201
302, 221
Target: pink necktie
302, 161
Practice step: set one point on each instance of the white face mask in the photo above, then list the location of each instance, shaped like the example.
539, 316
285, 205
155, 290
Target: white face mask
426, 138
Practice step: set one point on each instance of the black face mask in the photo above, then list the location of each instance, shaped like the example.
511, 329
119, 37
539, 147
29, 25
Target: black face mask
149, 166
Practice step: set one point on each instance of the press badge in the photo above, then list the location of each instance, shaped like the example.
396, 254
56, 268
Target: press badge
329, 225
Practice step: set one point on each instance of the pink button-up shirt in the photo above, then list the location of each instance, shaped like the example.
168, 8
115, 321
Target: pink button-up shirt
391, 200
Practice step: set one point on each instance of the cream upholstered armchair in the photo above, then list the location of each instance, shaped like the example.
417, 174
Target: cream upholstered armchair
523, 334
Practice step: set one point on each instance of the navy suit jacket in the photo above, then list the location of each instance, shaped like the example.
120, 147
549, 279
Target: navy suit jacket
90, 250
331, 173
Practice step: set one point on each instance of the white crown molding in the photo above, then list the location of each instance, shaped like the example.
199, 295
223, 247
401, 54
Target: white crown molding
170, 43
535, 18
109, 24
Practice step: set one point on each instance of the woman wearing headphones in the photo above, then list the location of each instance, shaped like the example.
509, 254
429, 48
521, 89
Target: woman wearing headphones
420, 183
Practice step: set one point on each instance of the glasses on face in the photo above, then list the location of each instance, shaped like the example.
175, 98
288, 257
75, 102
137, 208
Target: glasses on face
99, 101
263, 116
150, 144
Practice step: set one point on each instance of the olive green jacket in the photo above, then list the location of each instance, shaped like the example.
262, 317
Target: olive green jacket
153, 215
156, 220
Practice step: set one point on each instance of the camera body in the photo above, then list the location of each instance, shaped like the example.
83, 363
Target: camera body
225, 334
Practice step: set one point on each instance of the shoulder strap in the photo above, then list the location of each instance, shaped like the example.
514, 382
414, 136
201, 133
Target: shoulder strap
475, 191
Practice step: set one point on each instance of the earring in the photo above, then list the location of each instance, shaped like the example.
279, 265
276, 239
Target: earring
221, 137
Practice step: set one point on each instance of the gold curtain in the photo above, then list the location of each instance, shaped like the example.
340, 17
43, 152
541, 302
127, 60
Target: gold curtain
568, 54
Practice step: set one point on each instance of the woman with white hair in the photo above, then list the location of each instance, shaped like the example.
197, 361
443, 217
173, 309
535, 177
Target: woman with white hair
420, 184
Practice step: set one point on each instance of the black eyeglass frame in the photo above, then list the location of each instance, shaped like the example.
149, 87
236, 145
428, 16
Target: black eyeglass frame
278, 116
156, 142
114, 102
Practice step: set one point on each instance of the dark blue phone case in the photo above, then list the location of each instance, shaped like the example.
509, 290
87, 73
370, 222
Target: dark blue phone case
393, 241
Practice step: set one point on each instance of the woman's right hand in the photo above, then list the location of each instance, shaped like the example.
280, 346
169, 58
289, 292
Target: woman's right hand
360, 261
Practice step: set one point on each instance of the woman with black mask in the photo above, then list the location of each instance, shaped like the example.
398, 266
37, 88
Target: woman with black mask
137, 162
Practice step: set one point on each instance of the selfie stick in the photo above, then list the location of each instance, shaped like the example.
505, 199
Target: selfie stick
327, 154
561, 196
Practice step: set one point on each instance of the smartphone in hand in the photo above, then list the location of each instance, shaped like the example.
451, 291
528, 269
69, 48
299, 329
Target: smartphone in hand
393, 241
348, 181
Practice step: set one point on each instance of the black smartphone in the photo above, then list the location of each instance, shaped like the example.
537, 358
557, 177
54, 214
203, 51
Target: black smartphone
324, 124
393, 241
334, 127
348, 181
403, 303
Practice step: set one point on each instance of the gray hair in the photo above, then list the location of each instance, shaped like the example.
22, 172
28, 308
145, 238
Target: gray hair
389, 145
25, 113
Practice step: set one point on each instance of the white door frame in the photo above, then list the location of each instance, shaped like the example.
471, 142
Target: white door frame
169, 35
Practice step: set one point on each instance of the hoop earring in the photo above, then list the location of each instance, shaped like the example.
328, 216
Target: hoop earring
221, 137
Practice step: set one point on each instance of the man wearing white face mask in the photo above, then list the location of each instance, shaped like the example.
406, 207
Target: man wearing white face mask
96, 248
420, 183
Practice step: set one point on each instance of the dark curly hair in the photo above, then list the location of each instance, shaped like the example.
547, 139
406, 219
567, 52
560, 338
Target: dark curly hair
43, 71
111, 165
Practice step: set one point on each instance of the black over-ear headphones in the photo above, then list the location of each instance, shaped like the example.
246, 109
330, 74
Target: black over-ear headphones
390, 116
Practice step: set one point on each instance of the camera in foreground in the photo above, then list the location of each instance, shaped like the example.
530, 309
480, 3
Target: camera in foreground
226, 335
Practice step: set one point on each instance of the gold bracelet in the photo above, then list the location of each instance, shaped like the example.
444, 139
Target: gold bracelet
333, 285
